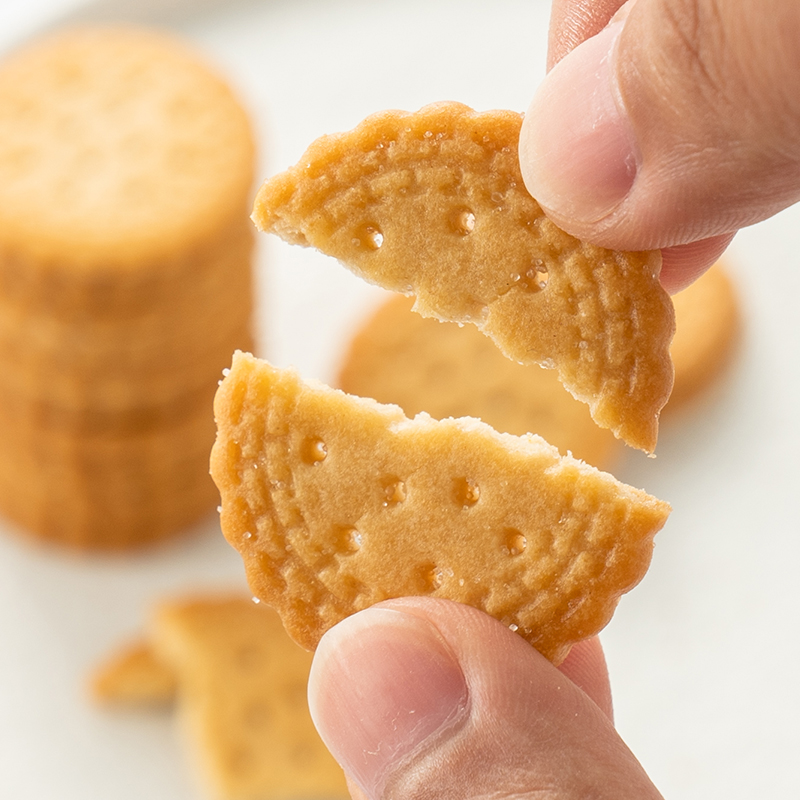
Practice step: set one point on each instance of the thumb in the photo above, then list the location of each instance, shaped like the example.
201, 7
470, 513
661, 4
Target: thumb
678, 122
422, 698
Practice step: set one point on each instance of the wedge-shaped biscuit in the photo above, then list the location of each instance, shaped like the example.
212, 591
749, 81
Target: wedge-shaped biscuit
242, 694
432, 204
337, 502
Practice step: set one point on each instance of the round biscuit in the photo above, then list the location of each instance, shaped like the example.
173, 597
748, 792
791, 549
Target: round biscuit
119, 147
106, 490
111, 402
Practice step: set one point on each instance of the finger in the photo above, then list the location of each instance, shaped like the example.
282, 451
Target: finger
685, 263
355, 791
574, 21
586, 667
421, 697
680, 122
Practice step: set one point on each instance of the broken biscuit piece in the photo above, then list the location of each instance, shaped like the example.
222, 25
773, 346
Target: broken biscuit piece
432, 204
337, 502
242, 696
240, 687
134, 676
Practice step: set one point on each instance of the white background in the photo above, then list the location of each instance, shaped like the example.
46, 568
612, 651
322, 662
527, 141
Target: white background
702, 654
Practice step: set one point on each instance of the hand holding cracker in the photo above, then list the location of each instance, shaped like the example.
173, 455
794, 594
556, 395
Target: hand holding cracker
671, 127
463, 709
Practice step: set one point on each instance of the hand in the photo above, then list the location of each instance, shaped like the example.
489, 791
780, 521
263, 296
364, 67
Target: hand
671, 127
422, 698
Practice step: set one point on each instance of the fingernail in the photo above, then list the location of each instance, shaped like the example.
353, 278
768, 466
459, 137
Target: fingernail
577, 150
382, 685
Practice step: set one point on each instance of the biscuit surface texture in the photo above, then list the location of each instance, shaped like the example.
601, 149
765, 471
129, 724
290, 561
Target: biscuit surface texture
116, 144
424, 365
432, 204
337, 502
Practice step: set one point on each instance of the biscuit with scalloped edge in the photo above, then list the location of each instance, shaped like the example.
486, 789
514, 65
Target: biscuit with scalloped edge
337, 502
432, 204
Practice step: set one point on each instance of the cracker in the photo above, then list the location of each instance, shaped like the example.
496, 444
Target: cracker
134, 676
337, 502
709, 324
120, 148
423, 365
242, 694
125, 397
104, 489
433, 204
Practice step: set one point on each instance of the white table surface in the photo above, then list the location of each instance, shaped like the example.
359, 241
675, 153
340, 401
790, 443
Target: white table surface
702, 654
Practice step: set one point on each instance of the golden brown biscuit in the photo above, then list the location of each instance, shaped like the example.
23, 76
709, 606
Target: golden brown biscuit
121, 151
423, 365
80, 358
432, 204
134, 676
126, 166
337, 502
709, 322
125, 398
242, 693
107, 490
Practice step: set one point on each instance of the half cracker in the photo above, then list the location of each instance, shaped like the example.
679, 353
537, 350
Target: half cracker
432, 204
337, 502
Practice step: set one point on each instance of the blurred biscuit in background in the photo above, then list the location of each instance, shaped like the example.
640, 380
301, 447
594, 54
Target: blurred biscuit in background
90, 368
708, 321
126, 168
445, 370
240, 686
109, 488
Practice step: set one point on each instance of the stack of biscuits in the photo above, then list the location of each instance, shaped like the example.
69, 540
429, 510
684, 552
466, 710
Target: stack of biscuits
126, 167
